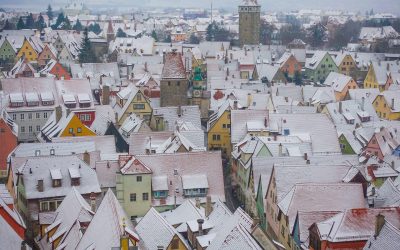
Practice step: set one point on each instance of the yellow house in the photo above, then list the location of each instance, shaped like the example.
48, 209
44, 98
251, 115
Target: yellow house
28, 51
346, 64
378, 76
219, 129
74, 127
387, 105
132, 100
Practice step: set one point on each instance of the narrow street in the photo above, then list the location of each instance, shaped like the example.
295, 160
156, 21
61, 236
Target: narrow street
231, 200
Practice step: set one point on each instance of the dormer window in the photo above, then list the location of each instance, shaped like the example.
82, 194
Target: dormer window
69, 100
84, 100
47, 98
56, 177
32, 99
16, 100
75, 176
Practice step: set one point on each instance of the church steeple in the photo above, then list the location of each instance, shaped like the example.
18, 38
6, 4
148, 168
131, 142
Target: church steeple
110, 32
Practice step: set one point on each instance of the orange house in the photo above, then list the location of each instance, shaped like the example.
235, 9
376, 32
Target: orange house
75, 127
289, 64
48, 53
8, 139
60, 72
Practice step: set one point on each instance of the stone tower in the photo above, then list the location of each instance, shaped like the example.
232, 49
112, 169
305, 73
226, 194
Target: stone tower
110, 32
174, 84
249, 22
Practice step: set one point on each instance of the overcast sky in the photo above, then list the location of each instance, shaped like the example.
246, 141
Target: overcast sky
392, 6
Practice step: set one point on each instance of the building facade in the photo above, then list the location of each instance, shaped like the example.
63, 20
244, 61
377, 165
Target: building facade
249, 22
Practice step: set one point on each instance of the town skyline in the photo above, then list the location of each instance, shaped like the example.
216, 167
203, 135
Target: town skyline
228, 5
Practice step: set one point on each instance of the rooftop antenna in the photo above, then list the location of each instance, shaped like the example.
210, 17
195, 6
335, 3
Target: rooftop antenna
211, 11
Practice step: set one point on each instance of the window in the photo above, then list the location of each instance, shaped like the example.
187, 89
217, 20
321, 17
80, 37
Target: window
57, 183
139, 178
178, 83
14, 117
138, 106
223, 125
139, 97
30, 129
22, 117
30, 116
37, 115
22, 129
145, 196
132, 197
44, 206
169, 83
71, 130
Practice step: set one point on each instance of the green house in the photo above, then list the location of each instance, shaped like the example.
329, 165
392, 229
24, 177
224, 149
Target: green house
7, 52
260, 200
319, 66
134, 187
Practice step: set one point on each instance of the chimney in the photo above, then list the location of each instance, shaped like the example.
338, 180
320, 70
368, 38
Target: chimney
200, 222
249, 99
340, 108
280, 149
286, 99
58, 111
40, 186
306, 156
93, 202
393, 103
266, 122
179, 111
393, 165
129, 69
145, 67
208, 206
235, 104
231, 56
124, 241
105, 95
198, 202
275, 137
86, 158
362, 103
388, 66
379, 222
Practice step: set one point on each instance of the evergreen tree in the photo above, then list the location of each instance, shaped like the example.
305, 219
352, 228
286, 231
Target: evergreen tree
194, 39
78, 26
59, 21
298, 79
317, 35
8, 26
66, 24
154, 35
120, 33
95, 28
86, 54
20, 24
168, 39
30, 23
49, 12
40, 24
216, 32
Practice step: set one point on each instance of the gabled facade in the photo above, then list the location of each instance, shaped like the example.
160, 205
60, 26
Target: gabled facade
319, 66
134, 184
289, 65
7, 52
27, 51
48, 53
218, 130
346, 64
132, 100
75, 127
8, 137
387, 105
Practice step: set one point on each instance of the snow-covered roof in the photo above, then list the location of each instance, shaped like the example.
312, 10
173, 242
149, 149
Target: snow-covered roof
161, 235
173, 67
56, 168
321, 197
